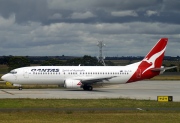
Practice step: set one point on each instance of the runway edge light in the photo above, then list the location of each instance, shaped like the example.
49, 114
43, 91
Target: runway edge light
164, 98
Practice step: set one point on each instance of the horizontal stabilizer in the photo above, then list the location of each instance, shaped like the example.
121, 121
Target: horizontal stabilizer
163, 69
167, 68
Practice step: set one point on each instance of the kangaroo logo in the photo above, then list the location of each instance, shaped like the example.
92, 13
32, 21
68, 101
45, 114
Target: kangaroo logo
79, 83
152, 60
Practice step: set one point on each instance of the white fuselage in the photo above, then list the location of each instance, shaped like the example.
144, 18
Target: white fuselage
58, 74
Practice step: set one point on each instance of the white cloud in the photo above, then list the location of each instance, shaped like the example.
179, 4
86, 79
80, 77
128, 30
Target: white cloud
124, 13
7, 22
150, 13
78, 39
72, 27
82, 15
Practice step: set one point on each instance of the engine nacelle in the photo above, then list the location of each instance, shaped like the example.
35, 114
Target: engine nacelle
70, 83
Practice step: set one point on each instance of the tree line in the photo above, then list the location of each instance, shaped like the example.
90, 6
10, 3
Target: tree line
14, 62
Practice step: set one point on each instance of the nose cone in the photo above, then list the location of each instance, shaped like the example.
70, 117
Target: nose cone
8, 77
4, 77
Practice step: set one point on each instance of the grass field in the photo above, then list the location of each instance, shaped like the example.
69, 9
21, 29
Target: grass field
81, 116
3, 69
4, 86
167, 77
84, 103
121, 117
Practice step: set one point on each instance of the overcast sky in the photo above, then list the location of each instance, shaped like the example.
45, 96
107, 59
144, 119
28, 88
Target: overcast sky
73, 27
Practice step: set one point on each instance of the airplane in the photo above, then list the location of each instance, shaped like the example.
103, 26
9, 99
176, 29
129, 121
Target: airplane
87, 77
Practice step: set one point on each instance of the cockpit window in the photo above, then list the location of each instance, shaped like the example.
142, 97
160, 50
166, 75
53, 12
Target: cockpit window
13, 72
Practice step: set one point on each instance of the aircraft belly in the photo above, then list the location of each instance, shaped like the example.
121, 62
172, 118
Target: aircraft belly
116, 80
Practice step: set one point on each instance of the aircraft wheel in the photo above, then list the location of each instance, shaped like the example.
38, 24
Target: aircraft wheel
90, 88
20, 88
85, 88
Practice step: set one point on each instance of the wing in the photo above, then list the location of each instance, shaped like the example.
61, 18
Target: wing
95, 80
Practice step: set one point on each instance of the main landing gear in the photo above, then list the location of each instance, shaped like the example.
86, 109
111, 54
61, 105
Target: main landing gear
20, 88
88, 88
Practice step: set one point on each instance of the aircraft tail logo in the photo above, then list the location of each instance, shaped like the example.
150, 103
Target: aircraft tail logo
151, 61
155, 57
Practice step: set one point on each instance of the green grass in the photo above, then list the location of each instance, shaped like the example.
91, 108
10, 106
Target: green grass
84, 103
3, 68
54, 117
4, 86
76, 116
167, 77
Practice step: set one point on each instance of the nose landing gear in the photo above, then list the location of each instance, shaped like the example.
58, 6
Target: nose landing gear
18, 85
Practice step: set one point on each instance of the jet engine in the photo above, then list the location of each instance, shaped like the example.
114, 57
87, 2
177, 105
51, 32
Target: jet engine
70, 83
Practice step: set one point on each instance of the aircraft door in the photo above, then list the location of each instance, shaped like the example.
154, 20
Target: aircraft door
26, 74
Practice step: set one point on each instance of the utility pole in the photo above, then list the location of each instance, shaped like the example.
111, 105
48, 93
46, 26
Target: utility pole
100, 57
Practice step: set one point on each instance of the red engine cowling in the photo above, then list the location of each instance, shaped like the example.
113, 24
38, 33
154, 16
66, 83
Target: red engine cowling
70, 83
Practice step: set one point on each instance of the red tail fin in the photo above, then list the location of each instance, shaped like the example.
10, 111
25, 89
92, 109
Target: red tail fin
152, 60
156, 55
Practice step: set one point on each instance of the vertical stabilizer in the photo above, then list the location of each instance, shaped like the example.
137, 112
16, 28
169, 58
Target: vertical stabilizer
153, 60
155, 57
